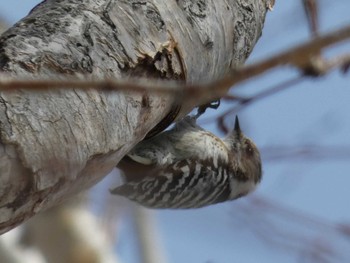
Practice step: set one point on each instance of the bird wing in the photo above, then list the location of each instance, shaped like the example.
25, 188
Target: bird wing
184, 184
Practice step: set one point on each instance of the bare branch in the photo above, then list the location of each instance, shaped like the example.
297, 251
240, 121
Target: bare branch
301, 57
306, 152
59, 141
311, 11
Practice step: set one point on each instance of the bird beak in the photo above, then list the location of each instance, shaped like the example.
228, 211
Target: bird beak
237, 129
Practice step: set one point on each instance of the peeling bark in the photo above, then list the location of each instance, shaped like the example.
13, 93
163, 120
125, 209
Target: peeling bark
54, 144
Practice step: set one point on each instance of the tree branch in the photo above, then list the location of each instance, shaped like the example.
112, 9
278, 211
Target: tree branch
58, 142
301, 57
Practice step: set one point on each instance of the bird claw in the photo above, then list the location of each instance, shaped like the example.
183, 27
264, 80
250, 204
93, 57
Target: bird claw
212, 105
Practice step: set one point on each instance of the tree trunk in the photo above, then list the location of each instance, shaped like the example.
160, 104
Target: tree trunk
55, 143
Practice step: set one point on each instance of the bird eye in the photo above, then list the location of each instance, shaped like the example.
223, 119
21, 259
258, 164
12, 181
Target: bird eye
248, 148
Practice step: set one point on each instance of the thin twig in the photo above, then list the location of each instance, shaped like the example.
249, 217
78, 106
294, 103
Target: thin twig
311, 11
244, 102
306, 152
299, 57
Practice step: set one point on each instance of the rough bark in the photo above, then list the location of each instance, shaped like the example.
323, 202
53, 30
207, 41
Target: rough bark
56, 143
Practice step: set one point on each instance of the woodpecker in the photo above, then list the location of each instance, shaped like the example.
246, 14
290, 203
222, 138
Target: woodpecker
189, 167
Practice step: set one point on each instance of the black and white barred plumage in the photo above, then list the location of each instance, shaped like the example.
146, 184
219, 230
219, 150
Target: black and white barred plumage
189, 167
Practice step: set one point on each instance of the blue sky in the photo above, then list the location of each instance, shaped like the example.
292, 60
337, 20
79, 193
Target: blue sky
302, 202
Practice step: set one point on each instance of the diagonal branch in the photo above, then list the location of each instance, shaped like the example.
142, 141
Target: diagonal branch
300, 57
